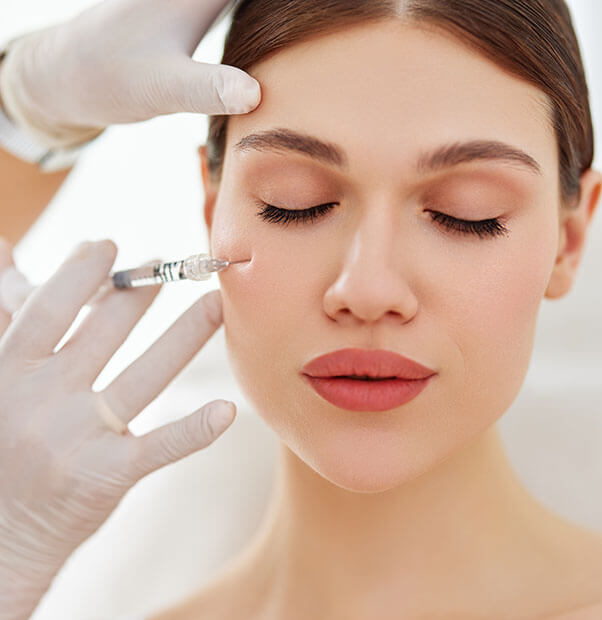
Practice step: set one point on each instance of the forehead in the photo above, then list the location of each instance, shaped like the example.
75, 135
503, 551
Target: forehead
387, 90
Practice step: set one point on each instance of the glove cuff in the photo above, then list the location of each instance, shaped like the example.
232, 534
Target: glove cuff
15, 102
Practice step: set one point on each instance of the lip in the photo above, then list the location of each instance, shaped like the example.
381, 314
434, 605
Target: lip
401, 379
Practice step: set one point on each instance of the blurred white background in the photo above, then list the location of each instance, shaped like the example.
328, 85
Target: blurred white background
140, 186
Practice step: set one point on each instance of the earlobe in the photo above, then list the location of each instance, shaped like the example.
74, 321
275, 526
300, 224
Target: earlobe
573, 233
209, 187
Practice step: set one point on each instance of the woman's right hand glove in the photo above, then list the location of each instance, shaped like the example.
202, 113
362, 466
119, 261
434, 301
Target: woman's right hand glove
63, 470
120, 61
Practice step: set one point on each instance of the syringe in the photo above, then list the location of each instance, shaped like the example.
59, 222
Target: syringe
195, 267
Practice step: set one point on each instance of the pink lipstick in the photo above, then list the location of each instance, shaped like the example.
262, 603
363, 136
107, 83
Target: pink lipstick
366, 380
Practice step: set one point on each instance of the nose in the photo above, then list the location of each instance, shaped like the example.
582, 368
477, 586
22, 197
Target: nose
374, 280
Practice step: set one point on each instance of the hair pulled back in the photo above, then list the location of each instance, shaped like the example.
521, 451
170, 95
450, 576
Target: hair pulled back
532, 39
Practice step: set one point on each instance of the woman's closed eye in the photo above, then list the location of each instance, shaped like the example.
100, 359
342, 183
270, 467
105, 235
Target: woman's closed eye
491, 227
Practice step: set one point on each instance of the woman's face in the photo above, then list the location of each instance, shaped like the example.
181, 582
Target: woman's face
376, 271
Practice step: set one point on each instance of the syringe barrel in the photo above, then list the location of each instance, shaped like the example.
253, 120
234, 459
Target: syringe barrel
149, 274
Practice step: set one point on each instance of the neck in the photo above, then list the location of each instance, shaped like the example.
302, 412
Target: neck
456, 531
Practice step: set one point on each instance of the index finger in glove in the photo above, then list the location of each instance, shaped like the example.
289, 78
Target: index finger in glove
52, 307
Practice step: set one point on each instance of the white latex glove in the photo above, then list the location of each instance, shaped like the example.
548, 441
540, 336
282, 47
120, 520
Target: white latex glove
119, 61
63, 471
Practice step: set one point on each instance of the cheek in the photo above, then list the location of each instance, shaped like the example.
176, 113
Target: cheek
266, 305
493, 313
266, 327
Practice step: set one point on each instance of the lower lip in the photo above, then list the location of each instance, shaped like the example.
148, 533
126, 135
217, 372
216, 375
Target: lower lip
358, 395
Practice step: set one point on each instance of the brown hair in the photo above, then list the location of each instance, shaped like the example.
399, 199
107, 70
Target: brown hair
532, 39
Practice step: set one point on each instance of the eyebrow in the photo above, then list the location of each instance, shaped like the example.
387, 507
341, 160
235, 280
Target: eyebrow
445, 156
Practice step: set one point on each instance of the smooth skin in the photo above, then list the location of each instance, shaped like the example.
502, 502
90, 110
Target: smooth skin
415, 512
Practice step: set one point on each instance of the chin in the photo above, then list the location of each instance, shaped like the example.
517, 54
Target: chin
374, 459
363, 482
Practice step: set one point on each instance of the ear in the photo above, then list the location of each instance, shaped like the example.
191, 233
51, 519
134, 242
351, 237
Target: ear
210, 188
573, 228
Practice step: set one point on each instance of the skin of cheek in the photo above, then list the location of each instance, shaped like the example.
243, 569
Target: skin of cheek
481, 322
493, 316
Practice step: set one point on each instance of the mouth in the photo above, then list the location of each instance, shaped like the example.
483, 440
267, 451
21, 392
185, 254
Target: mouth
360, 393
366, 380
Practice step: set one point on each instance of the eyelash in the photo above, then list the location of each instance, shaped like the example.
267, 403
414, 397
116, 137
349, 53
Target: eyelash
482, 228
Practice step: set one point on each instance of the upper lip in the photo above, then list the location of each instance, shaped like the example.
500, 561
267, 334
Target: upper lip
365, 362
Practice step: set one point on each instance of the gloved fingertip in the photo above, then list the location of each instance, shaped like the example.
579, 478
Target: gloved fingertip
239, 93
221, 415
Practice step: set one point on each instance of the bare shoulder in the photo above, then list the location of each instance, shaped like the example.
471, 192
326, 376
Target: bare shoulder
569, 585
223, 598
198, 605
587, 612
206, 603
201, 604
581, 579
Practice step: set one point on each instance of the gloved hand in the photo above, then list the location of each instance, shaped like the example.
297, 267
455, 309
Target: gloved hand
119, 61
63, 469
